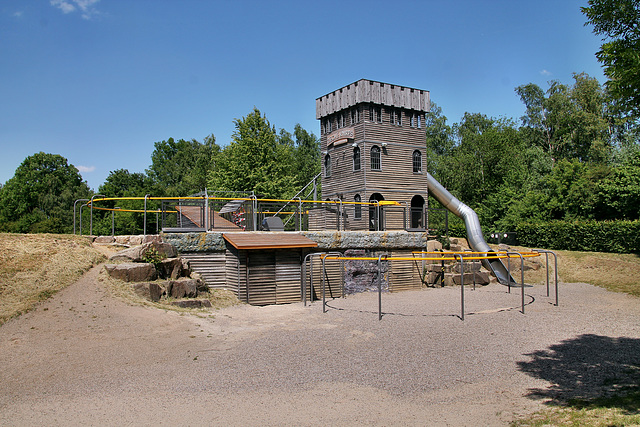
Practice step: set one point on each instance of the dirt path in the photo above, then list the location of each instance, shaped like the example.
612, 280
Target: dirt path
86, 358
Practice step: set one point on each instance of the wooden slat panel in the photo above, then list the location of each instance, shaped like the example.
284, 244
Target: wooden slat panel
262, 278
288, 266
211, 266
268, 240
404, 275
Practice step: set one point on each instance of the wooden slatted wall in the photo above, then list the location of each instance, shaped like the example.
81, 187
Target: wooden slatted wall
261, 278
288, 265
211, 266
404, 275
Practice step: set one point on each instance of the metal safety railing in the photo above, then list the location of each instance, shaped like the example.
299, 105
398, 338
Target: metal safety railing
248, 212
460, 257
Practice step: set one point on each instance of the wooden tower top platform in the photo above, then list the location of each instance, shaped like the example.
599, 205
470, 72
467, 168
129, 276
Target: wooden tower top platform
372, 92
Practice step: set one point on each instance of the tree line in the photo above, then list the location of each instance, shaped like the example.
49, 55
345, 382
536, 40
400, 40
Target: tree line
274, 164
574, 154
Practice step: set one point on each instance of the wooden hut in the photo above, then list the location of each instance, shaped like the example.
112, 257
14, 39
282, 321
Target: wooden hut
264, 267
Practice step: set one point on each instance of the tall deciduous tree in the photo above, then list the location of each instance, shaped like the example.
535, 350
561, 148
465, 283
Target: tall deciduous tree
180, 168
568, 121
255, 160
618, 21
41, 194
307, 155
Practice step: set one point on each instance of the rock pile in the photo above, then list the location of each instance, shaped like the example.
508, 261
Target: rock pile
144, 264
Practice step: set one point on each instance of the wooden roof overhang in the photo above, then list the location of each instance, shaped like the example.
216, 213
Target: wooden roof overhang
270, 240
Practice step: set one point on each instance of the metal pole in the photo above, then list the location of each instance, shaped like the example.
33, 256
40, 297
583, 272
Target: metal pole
254, 202
461, 285
91, 206
521, 275
74, 213
112, 220
324, 298
206, 210
81, 206
380, 287
144, 229
555, 257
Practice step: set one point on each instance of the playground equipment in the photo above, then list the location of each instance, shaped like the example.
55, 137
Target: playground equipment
474, 232
460, 257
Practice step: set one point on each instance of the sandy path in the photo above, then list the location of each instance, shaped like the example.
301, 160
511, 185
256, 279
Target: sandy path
86, 358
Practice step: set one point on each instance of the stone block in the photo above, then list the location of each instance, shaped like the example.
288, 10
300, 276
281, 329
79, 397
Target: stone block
104, 239
135, 240
433, 246
183, 288
131, 271
150, 290
433, 268
137, 253
170, 268
151, 238
192, 303
433, 278
481, 278
469, 267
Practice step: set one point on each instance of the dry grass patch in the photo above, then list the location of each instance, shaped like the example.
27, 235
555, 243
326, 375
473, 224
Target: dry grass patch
615, 272
35, 266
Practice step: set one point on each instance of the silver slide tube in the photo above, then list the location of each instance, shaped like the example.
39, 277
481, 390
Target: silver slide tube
472, 224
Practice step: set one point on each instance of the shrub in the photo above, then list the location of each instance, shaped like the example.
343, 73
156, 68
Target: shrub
593, 236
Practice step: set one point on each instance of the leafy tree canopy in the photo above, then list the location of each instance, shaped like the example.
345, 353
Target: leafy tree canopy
618, 21
568, 121
258, 159
179, 168
41, 194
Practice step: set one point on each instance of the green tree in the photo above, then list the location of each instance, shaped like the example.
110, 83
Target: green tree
180, 168
618, 21
40, 195
568, 121
306, 155
256, 159
122, 183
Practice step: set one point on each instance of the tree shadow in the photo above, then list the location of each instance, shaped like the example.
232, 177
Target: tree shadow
590, 370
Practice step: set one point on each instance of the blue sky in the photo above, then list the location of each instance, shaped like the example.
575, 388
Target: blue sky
99, 81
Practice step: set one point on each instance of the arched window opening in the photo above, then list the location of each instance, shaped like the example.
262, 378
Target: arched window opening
417, 162
356, 158
327, 165
357, 208
375, 158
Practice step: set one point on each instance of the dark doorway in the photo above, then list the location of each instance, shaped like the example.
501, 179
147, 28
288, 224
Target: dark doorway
376, 215
417, 217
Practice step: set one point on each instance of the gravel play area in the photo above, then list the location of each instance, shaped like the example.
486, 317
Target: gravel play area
85, 357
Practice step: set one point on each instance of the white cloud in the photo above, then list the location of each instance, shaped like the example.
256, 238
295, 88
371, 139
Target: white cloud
86, 168
546, 73
63, 5
18, 14
86, 7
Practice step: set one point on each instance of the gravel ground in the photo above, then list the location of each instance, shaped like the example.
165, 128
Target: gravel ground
86, 358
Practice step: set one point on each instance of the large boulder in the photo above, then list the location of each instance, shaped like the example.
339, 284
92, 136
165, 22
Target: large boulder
170, 268
131, 271
187, 288
138, 253
150, 290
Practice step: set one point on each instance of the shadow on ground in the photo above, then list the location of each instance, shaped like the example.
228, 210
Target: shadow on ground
588, 370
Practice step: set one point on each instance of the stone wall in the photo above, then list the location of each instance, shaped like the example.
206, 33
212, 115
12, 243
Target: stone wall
326, 240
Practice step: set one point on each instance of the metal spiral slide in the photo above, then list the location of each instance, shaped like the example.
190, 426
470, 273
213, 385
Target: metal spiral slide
474, 232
